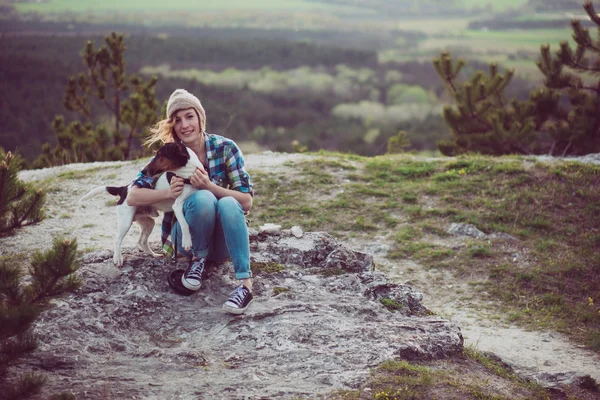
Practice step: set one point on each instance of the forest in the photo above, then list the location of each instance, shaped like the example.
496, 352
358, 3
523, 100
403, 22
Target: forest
319, 83
300, 85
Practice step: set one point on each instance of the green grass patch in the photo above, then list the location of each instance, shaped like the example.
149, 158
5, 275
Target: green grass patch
479, 250
466, 376
278, 290
594, 340
391, 304
406, 233
494, 366
331, 271
259, 268
422, 251
410, 197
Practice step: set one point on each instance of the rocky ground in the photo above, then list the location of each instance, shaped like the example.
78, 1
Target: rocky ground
132, 337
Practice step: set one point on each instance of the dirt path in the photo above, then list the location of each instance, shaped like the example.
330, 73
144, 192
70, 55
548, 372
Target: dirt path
529, 352
92, 224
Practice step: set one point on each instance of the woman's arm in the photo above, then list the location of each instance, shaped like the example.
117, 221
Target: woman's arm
200, 180
138, 196
245, 199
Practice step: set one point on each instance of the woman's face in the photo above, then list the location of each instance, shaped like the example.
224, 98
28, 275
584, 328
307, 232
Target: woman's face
187, 126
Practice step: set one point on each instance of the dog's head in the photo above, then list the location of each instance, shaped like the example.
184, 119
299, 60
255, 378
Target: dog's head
169, 157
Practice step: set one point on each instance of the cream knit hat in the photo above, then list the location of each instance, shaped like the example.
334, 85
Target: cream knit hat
181, 99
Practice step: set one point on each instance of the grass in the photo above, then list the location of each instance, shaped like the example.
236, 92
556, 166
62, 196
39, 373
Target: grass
403, 380
260, 268
391, 304
278, 290
543, 281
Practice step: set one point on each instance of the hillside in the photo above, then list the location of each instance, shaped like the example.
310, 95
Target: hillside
336, 75
525, 285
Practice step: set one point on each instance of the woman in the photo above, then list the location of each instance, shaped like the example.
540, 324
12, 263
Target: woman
216, 212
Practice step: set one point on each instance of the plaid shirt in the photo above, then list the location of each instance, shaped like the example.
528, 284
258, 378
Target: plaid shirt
225, 169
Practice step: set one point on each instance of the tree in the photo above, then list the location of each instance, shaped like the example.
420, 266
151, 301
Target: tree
560, 118
52, 274
20, 204
105, 82
575, 129
398, 144
484, 120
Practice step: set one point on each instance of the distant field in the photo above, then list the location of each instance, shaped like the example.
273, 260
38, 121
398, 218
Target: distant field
542, 17
521, 37
177, 5
499, 41
172, 5
432, 26
497, 5
487, 46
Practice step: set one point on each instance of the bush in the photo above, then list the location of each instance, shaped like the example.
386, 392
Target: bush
52, 274
20, 204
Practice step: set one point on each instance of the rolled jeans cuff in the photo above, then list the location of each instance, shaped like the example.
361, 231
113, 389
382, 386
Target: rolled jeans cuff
243, 275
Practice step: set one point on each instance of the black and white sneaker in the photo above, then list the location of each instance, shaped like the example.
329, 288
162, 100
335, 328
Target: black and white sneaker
192, 277
238, 300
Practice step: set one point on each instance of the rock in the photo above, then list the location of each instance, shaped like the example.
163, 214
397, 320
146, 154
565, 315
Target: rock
269, 228
502, 236
297, 231
584, 381
465, 230
321, 319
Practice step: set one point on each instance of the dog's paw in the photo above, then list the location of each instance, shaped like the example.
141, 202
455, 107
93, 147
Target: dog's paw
186, 242
118, 260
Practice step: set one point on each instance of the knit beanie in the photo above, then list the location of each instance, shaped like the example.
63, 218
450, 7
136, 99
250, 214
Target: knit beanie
181, 99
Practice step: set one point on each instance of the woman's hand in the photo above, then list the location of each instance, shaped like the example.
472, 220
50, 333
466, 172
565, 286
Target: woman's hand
200, 179
176, 187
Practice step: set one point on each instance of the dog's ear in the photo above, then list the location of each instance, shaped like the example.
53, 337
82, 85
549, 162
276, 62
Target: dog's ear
182, 149
182, 155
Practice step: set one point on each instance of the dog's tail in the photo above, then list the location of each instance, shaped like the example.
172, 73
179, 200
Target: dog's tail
120, 191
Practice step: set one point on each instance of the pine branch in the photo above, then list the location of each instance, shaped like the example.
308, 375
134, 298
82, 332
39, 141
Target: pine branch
34, 204
589, 9
18, 195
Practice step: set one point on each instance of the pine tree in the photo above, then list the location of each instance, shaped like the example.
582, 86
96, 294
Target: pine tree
561, 118
52, 275
399, 143
104, 81
20, 204
484, 120
575, 129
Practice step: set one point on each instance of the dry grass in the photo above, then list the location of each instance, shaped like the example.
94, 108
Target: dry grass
553, 210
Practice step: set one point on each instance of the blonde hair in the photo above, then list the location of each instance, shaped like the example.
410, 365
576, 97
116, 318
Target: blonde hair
163, 130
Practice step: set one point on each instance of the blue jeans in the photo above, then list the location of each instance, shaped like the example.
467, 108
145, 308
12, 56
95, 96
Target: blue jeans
218, 229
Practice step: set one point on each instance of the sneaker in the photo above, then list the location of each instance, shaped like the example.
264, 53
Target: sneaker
238, 300
192, 277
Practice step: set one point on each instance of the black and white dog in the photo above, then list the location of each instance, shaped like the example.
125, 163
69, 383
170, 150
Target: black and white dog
174, 159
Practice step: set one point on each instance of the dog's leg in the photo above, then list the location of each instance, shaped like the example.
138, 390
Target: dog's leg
146, 226
186, 237
125, 215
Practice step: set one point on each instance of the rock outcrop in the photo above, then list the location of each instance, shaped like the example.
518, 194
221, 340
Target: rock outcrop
322, 317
